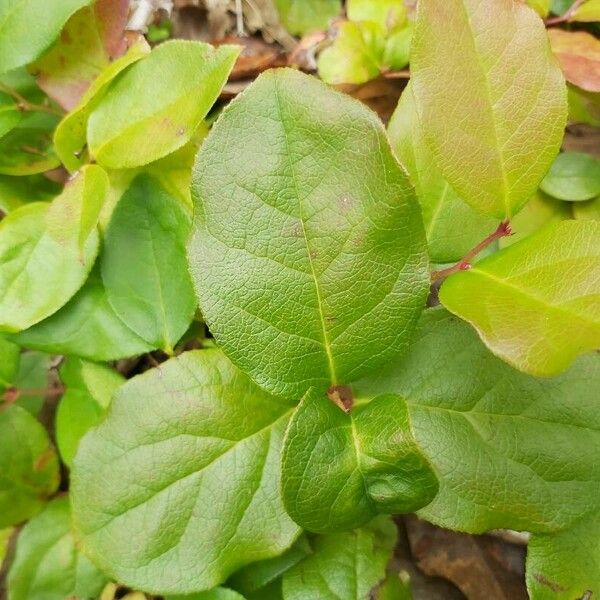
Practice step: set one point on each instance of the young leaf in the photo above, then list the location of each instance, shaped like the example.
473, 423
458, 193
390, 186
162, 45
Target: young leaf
579, 55
493, 121
196, 477
340, 470
305, 16
89, 389
388, 14
343, 566
18, 191
451, 225
90, 40
179, 82
589, 210
307, 240
28, 466
47, 251
86, 326
573, 176
538, 302
566, 564
588, 12
509, 450
144, 247
47, 563
26, 30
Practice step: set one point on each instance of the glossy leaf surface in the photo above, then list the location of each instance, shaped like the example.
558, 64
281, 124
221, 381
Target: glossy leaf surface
573, 176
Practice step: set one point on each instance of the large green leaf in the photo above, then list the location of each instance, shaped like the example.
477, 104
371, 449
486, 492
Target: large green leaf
565, 565
86, 326
47, 564
89, 389
494, 120
188, 459
452, 226
144, 266
573, 176
509, 450
177, 84
27, 29
308, 251
47, 250
537, 302
340, 470
305, 16
28, 466
343, 566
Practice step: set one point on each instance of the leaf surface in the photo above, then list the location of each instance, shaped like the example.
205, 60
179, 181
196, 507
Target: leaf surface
306, 16
573, 176
538, 301
579, 55
493, 121
307, 239
187, 457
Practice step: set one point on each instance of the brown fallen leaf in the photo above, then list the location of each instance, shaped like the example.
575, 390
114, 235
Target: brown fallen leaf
578, 53
482, 567
256, 56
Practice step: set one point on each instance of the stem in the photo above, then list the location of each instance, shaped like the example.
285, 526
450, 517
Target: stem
404, 74
24, 105
464, 264
567, 16
13, 394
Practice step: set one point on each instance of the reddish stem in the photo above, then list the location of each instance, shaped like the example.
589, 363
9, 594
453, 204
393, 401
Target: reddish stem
464, 264
13, 394
567, 16
403, 74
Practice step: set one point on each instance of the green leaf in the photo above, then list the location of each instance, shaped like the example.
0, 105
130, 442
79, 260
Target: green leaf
89, 41
9, 363
196, 477
540, 211
573, 176
26, 30
17, 191
566, 564
28, 466
340, 470
305, 16
589, 210
542, 7
32, 375
343, 566
89, 389
588, 12
47, 250
451, 225
388, 14
479, 101
551, 282
584, 107
219, 593
307, 239
395, 587
5, 536
27, 151
86, 326
70, 133
510, 450
559, 7
178, 83
10, 115
47, 563
144, 247
256, 576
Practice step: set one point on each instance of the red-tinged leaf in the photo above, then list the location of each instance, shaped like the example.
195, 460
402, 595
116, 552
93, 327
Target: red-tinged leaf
578, 53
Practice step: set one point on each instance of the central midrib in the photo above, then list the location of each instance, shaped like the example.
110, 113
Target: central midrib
326, 342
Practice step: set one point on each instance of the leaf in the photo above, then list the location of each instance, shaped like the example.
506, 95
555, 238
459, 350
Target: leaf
9, 363
17, 191
542, 7
27, 151
343, 566
219, 593
305, 16
86, 326
589, 12
566, 564
589, 210
573, 176
90, 40
196, 477
144, 246
550, 281
47, 563
28, 466
70, 133
340, 470
479, 101
584, 107
388, 14
89, 389
47, 251
540, 211
451, 225
10, 115
26, 31
32, 375
180, 81
578, 53
307, 238
510, 451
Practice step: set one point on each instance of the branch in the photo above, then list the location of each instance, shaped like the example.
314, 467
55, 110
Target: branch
24, 105
566, 16
464, 264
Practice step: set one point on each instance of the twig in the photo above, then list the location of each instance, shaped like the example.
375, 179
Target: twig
239, 19
404, 74
464, 264
24, 105
566, 16
12, 394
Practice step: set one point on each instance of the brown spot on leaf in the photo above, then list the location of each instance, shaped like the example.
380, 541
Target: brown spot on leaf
543, 580
341, 396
